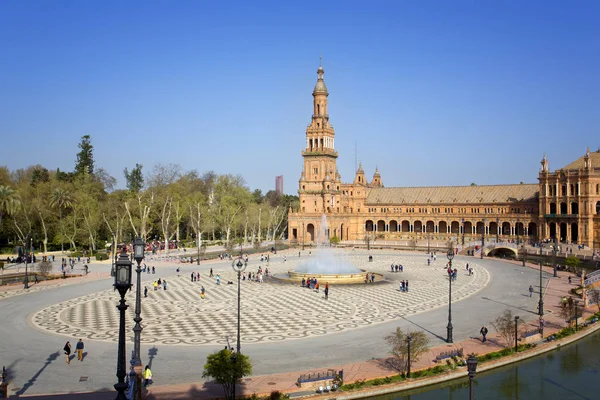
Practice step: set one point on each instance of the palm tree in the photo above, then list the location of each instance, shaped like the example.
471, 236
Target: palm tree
9, 201
60, 199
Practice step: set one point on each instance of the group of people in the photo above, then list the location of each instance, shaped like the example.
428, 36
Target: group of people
404, 286
313, 284
160, 283
147, 269
195, 276
397, 267
78, 347
256, 276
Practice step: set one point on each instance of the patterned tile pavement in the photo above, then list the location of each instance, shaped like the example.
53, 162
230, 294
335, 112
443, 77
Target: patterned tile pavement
271, 311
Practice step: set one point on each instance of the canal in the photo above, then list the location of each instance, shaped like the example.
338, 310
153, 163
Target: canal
571, 372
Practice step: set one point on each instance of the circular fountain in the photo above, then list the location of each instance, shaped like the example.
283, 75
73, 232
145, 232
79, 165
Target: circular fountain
326, 265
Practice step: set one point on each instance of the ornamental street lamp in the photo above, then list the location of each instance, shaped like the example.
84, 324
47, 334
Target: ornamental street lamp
302, 235
408, 339
238, 266
516, 324
462, 221
138, 255
497, 229
122, 284
554, 250
541, 301
450, 256
482, 236
576, 315
428, 250
199, 243
472, 368
518, 223
27, 247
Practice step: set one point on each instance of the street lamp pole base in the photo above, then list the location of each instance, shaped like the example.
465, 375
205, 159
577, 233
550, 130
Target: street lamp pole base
449, 333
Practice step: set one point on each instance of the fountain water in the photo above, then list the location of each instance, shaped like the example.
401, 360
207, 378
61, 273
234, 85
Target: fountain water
325, 260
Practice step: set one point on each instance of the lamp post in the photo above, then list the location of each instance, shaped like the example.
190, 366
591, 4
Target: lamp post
516, 331
122, 284
482, 236
518, 222
138, 255
428, 250
541, 301
199, 243
524, 253
462, 221
497, 230
472, 368
408, 339
450, 255
27, 239
238, 266
554, 250
576, 315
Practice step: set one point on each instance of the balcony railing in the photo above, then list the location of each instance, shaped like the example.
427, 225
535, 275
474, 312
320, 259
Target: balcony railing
561, 215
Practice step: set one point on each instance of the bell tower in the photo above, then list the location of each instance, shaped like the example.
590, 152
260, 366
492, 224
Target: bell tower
320, 181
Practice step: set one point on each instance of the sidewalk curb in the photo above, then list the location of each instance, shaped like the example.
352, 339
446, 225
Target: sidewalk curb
461, 371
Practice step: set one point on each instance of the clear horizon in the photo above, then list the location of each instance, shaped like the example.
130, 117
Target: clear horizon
433, 94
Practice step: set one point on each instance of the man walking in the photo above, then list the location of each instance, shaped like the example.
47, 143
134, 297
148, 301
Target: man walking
79, 349
484, 332
530, 290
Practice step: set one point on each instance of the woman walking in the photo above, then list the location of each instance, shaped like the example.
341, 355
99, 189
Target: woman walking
67, 350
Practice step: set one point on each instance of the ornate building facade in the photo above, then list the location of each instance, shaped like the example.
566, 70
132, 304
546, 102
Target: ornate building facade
564, 203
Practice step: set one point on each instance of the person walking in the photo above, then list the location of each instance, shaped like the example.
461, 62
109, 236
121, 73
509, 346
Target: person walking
145, 291
211, 273
530, 290
79, 348
192, 277
67, 350
326, 290
164, 284
155, 284
147, 376
484, 332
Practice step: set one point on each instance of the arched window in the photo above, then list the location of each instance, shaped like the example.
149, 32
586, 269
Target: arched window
318, 109
598, 207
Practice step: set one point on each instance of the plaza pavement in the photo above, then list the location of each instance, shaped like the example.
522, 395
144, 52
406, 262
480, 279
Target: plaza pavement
36, 362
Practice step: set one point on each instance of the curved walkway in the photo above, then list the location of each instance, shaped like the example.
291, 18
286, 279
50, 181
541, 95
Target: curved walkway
35, 358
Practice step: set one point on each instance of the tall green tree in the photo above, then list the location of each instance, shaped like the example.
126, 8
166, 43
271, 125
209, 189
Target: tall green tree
9, 201
134, 179
227, 369
85, 157
61, 199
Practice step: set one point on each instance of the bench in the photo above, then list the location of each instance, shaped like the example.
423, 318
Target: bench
312, 377
449, 354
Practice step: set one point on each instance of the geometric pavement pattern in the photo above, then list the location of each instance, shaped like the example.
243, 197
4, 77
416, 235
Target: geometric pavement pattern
270, 311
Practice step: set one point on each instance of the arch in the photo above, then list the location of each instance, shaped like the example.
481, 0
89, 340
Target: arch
342, 232
310, 230
418, 226
479, 228
393, 226
505, 229
468, 227
572, 189
429, 226
598, 207
502, 252
574, 208
532, 229
454, 227
405, 226
443, 227
552, 208
519, 229
381, 226
552, 227
369, 226
563, 208
574, 232
493, 227
563, 231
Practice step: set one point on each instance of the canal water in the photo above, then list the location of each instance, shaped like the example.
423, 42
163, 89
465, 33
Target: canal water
572, 372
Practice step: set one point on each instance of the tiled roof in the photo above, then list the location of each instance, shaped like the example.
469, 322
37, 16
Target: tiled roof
454, 194
578, 164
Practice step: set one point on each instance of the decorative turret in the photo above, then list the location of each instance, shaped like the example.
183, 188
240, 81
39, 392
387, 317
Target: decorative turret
587, 160
376, 178
544, 163
360, 175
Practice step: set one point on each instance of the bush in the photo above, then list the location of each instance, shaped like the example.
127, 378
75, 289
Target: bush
44, 267
334, 241
101, 256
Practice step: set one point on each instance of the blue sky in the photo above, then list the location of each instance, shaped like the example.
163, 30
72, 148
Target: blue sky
431, 92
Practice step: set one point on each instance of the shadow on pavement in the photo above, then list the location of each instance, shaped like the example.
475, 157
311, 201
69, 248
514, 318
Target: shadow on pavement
31, 382
510, 305
100, 395
423, 328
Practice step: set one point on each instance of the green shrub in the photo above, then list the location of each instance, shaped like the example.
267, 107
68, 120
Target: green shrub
101, 256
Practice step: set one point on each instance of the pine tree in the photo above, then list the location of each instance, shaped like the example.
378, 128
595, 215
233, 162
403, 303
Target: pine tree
85, 157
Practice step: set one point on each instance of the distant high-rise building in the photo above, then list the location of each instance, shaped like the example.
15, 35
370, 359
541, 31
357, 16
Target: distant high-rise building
279, 184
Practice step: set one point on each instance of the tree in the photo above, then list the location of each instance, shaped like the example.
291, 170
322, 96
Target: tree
61, 199
505, 326
569, 311
226, 370
135, 178
85, 157
9, 201
418, 346
573, 263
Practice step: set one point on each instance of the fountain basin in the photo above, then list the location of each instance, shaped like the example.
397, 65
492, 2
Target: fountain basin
338, 279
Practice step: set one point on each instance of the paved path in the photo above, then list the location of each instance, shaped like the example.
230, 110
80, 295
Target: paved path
35, 359
271, 311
